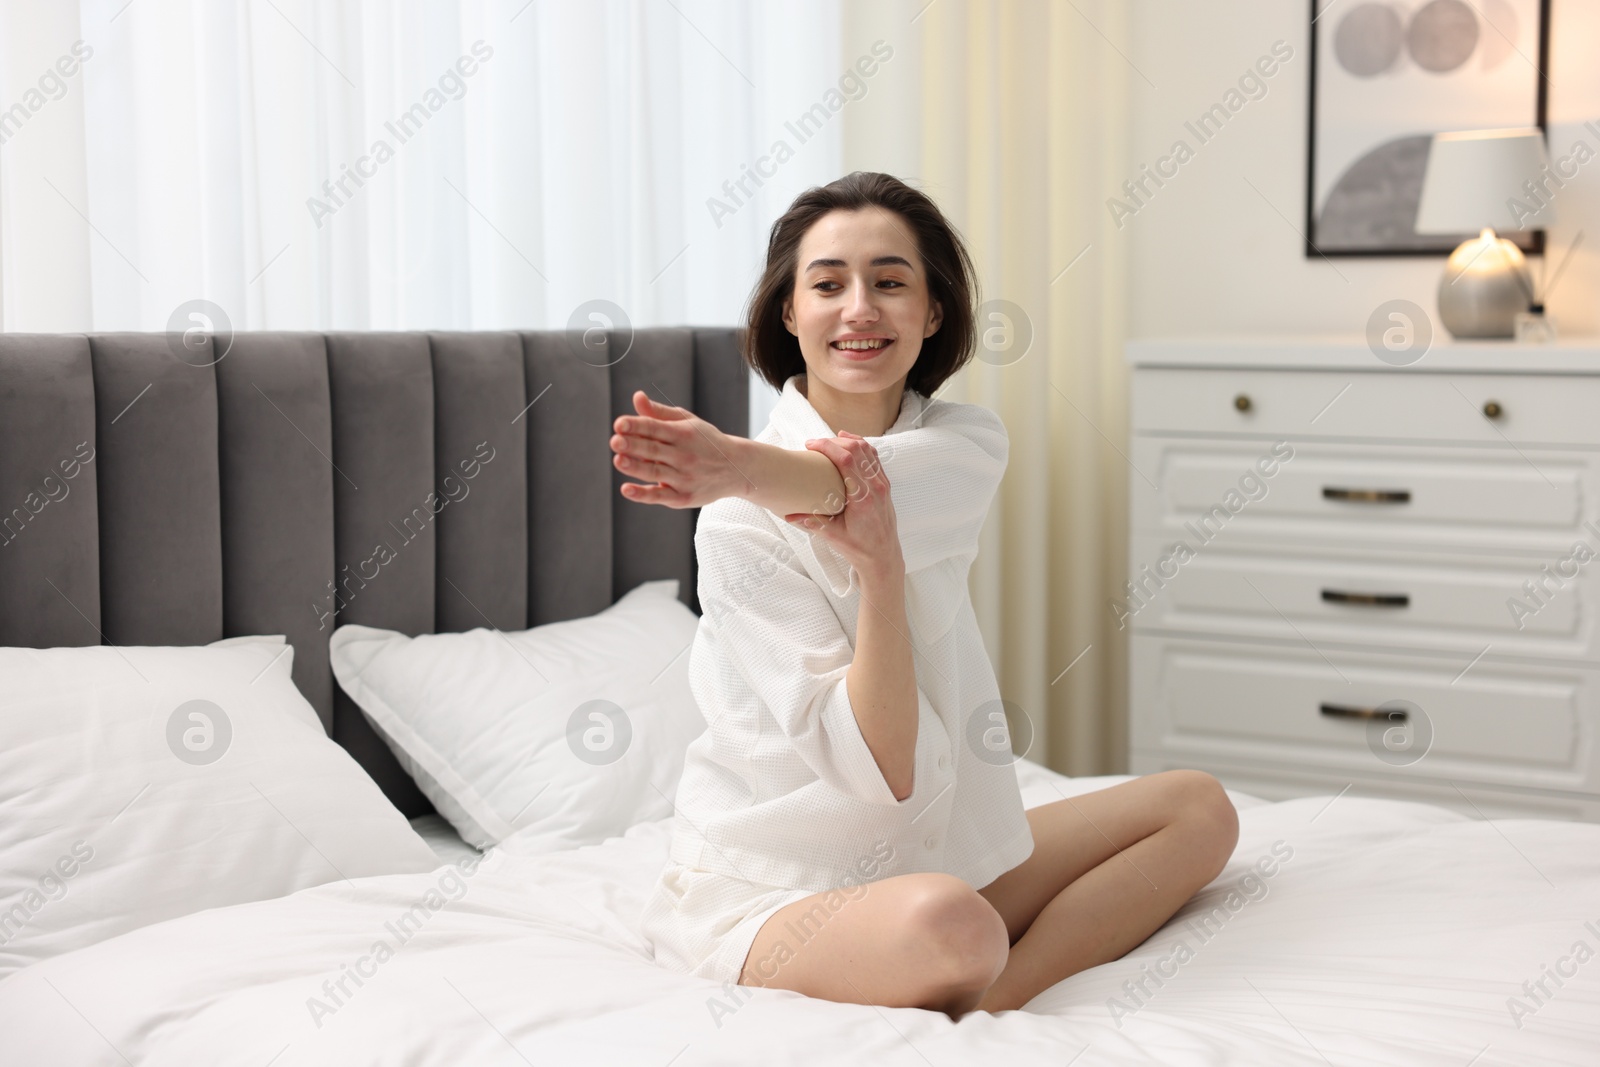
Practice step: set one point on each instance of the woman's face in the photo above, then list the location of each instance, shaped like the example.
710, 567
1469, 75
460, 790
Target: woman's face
861, 306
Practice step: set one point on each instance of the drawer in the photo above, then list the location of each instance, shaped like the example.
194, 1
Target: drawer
1458, 604
1381, 404
1475, 801
1498, 724
1317, 492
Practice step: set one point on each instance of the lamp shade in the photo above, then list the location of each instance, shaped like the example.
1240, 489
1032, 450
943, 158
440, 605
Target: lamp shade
1473, 177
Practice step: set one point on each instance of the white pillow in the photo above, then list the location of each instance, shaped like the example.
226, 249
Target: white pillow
140, 784
565, 734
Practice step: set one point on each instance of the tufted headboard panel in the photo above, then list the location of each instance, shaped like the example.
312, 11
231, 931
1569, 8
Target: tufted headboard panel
152, 494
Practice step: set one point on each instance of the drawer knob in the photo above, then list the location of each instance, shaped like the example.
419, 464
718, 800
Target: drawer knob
1242, 402
1492, 409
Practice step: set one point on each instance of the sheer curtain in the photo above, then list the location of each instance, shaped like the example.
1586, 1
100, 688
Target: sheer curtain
1011, 114
332, 164
633, 151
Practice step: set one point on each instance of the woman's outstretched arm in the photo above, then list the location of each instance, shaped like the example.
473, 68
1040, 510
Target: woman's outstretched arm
687, 463
787, 481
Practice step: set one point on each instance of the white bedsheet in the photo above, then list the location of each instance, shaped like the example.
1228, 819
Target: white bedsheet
1396, 933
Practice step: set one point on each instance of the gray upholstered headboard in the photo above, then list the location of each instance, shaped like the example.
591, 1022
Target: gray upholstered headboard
148, 499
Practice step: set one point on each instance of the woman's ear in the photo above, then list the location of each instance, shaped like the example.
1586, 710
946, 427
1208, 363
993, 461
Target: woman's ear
788, 315
935, 319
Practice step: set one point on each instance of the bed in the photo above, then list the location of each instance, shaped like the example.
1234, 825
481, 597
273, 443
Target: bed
1346, 929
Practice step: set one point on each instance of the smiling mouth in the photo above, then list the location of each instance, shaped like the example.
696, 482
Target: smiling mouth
862, 349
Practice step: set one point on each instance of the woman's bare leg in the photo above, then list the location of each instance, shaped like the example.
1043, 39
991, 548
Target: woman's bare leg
1108, 869
915, 940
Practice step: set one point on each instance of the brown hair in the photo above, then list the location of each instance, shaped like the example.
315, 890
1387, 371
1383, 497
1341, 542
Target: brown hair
774, 353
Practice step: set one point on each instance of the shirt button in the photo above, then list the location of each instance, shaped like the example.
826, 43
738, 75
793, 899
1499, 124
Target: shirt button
932, 841
944, 761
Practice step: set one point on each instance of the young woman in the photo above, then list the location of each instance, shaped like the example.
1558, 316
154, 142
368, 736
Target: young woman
847, 826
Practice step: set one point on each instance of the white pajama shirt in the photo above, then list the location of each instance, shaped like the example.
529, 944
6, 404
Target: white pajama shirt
781, 797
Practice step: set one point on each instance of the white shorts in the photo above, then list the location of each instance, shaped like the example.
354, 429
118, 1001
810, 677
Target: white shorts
703, 923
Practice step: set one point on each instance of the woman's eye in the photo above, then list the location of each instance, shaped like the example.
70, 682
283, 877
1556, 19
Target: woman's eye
823, 285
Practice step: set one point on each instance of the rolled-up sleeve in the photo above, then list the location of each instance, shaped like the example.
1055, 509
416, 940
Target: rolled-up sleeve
777, 629
943, 475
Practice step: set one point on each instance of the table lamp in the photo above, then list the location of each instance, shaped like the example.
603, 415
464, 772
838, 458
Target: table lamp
1474, 181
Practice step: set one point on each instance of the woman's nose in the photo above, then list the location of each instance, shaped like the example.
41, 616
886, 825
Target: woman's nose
860, 307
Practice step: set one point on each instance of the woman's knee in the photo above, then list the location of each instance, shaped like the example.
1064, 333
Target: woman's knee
958, 932
1201, 801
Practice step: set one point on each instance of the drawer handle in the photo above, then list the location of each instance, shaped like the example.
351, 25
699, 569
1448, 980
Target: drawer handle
1367, 496
1373, 600
1242, 402
1492, 409
1344, 711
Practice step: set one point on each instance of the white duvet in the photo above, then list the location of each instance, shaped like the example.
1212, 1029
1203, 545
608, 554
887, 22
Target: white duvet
1385, 933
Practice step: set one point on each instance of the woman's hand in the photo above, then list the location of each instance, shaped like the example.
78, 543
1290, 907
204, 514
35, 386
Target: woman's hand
864, 532
683, 457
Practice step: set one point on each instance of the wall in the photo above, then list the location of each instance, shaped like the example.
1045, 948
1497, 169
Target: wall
1211, 255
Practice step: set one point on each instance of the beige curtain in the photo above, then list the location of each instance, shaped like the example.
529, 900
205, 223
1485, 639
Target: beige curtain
1011, 115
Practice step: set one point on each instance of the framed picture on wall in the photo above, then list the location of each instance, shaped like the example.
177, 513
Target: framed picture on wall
1386, 75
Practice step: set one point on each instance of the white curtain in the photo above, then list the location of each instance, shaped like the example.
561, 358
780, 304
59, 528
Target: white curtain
1011, 114
334, 164
597, 153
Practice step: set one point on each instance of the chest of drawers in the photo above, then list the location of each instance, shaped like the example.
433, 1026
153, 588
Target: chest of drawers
1350, 576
